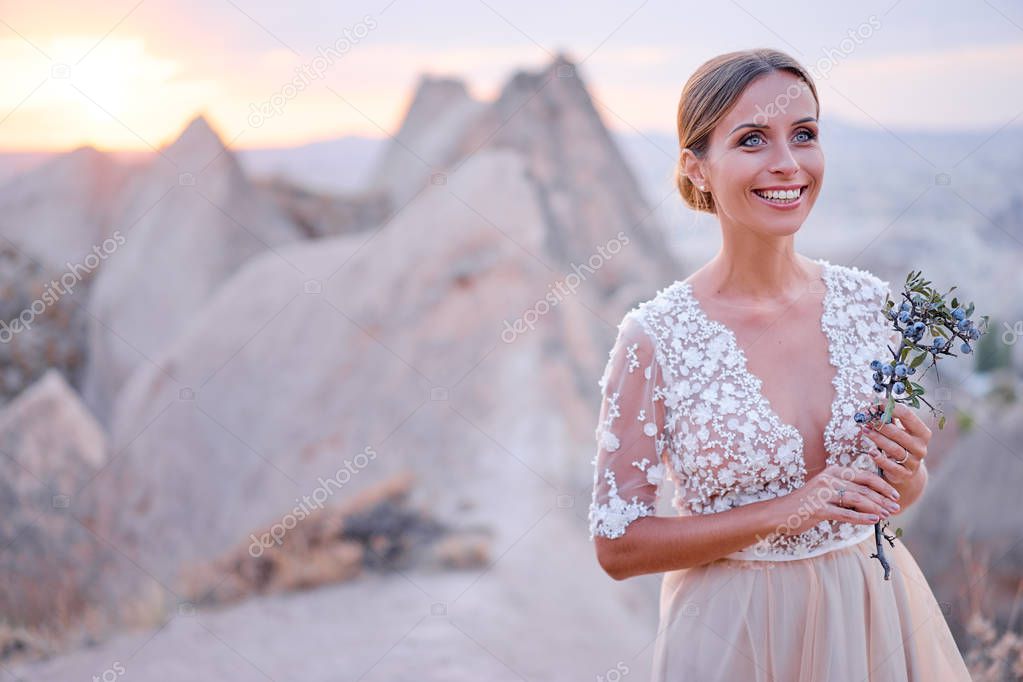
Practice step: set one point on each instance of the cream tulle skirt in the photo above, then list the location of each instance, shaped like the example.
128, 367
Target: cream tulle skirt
829, 618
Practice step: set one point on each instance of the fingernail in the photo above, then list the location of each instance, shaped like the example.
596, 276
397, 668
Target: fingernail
897, 495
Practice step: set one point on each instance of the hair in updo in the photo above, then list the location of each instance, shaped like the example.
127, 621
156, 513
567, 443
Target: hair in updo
708, 95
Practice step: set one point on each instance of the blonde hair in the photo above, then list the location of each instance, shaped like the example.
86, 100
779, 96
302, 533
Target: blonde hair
708, 95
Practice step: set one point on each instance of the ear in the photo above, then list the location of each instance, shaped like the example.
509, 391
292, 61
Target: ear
693, 168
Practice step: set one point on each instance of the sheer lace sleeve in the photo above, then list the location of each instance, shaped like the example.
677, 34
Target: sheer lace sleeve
892, 337
628, 466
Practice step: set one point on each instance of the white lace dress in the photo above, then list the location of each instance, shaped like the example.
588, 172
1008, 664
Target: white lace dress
679, 403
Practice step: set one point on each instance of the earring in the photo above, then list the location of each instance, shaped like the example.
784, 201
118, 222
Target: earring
702, 188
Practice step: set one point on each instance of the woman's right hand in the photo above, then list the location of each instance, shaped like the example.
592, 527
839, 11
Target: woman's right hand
867, 498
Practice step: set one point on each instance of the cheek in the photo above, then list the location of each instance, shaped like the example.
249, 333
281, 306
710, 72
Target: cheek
739, 174
812, 164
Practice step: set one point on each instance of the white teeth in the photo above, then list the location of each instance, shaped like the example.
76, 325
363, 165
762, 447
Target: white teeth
779, 195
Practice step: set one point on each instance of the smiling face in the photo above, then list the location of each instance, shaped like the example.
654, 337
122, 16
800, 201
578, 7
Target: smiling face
780, 150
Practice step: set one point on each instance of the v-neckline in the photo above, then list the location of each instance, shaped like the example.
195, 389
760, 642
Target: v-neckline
758, 383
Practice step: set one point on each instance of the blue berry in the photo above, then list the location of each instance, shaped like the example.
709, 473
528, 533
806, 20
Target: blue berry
958, 313
965, 348
860, 418
875, 365
898, 387
900, 370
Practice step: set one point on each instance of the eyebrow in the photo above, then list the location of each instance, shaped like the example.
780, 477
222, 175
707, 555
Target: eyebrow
754, 125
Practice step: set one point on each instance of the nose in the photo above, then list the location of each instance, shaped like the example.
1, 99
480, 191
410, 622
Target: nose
784, 162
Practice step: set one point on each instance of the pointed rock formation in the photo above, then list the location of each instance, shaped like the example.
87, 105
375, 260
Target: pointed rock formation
58, 212
50, 561
370, 358
587, 192
193, 218
300, 363
440, 110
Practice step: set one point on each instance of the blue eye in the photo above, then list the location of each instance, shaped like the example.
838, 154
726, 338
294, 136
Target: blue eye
810, 135
742, 142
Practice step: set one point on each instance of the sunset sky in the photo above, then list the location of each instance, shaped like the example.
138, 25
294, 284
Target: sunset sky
130, 75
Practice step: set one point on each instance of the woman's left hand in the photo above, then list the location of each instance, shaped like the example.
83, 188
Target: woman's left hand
902, 448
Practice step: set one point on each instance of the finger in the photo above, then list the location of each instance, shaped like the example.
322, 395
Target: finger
892, 447
894, 473
882, 502
911, 422
893, 433
862, 501
852, 516
877, 483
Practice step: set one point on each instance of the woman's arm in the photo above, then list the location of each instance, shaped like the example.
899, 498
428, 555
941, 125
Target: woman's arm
655, 544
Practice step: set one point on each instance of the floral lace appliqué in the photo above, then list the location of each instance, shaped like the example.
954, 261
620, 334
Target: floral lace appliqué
719, 440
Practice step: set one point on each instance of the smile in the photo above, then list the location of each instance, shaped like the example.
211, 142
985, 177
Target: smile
781, 198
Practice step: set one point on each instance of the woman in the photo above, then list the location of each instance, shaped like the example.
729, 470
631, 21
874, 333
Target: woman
739, 384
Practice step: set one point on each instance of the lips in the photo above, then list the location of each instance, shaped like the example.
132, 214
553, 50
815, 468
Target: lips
801, 188
782, 204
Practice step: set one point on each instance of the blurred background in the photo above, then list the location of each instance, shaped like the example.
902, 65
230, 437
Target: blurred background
303, 308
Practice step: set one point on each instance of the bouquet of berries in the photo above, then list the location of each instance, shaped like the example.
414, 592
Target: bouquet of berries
921, 311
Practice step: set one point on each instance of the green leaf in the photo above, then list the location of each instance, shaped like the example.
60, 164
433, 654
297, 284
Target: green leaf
898, 532
941, 422
915, 402
917, 360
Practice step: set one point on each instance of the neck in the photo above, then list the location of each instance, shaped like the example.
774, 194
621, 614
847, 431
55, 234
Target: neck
759, 274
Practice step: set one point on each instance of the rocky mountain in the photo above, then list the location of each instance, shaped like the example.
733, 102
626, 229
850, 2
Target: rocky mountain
49, 232
51, 561
586, 189
461, 340
425, 143
191, 219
